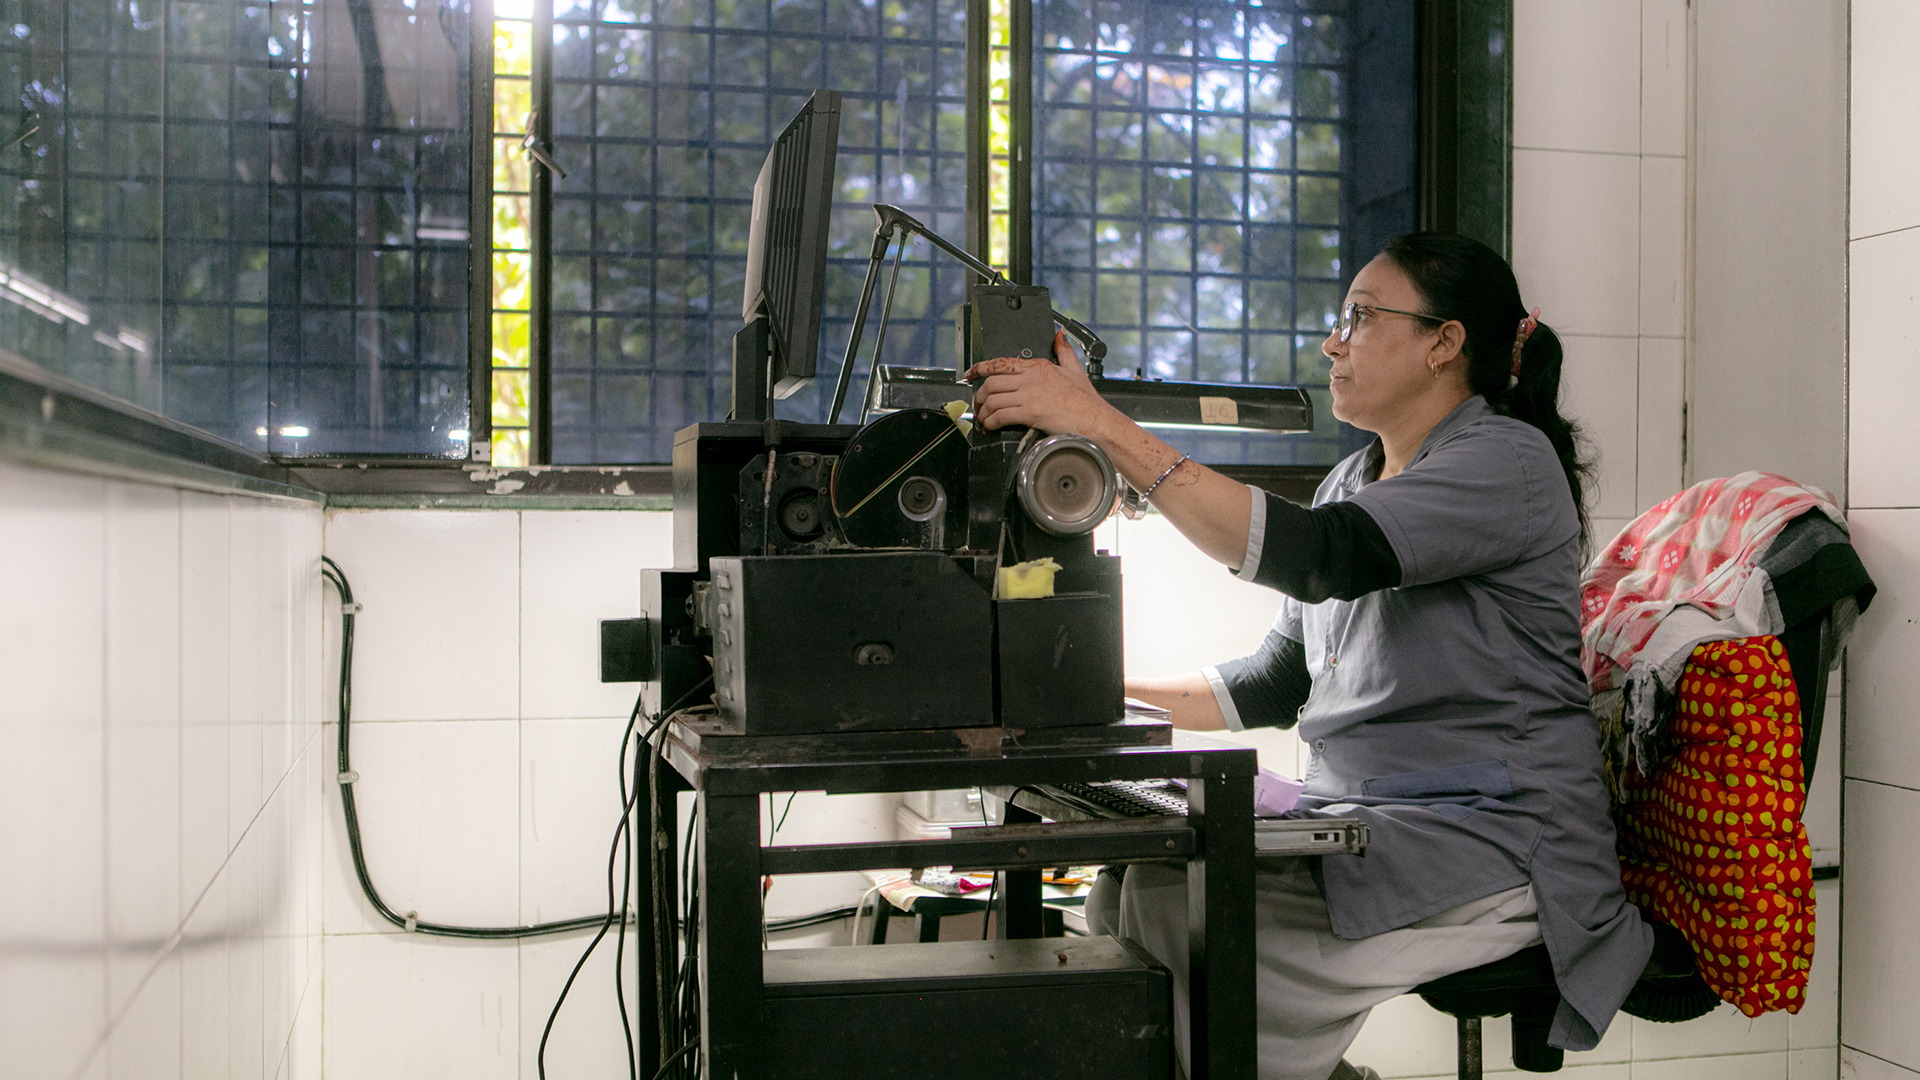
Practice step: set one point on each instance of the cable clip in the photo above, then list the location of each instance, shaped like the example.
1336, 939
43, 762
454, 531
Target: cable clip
351, 609
346, 778
413, 921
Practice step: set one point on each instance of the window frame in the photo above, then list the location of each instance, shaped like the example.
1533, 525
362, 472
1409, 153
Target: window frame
1463, 183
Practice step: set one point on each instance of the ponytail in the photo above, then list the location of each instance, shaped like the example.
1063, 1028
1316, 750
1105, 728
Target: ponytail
1464, 280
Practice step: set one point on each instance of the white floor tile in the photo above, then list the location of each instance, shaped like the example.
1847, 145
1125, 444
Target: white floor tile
1576, 239
407, 1006
1622, 1071
1885, 97
1598, 391
438, 805
1859, 1065
1880, 965
1576, 74
1881, 742
1663, 77
577, 569
439, 636
1820, 1064
1724, 1031
1726, 1067
1883, 339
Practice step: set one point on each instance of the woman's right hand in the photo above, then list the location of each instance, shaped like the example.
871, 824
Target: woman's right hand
1057, 398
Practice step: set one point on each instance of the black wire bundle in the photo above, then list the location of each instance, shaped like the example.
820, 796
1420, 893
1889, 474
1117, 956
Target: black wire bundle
410, 922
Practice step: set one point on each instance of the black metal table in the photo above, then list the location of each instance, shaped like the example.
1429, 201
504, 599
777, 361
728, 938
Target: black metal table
728, 776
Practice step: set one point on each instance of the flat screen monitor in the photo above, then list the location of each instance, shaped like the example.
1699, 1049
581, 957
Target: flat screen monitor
787, 243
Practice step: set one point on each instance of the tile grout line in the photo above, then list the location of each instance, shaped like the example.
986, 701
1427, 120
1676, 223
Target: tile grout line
1881, 783
1877, 1057
1887, 232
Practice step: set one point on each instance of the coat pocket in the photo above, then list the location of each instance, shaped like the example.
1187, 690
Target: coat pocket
1484, 778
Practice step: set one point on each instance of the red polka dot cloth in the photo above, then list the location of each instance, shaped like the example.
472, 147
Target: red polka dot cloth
1713, 844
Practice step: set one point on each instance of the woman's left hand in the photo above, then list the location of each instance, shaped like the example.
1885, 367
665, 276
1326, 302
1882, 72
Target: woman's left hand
1056, 398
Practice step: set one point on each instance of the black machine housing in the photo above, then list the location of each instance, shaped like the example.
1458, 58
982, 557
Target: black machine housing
808, 633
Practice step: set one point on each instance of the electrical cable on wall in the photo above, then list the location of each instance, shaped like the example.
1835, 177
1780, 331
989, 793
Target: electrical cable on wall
346, 777
679, 1019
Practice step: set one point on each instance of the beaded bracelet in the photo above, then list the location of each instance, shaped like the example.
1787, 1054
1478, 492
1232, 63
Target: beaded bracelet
1149, 492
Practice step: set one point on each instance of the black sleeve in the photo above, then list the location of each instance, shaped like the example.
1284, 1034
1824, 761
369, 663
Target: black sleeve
1269, 687
1334, 551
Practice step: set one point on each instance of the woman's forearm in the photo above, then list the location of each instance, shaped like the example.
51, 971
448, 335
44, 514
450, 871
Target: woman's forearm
1188, 697
1209, 509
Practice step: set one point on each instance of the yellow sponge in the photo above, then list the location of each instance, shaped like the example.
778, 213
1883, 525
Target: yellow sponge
956, 409
1032, 580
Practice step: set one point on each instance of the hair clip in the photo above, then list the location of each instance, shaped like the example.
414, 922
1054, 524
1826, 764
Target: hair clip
1520, 339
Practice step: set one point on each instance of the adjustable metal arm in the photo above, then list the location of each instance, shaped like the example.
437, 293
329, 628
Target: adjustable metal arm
892, 219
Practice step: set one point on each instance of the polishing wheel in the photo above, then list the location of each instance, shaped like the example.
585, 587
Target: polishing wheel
1067, 484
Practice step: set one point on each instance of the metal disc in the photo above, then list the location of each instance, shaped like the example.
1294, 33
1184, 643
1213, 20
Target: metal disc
1067, 485
901, 482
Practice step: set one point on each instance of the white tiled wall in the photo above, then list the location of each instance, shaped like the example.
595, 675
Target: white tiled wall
1880, 1020
1600, 227
486, 748
159, 916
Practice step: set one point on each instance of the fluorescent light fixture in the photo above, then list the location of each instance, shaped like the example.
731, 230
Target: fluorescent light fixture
262, 432
294, 431
1185, 406
458, 434
435, 233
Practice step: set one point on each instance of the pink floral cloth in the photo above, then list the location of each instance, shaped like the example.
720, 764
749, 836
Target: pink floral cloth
1697, 549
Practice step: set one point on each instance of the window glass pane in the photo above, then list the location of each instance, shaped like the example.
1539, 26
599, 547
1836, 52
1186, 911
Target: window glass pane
1217, 172
374, 157
248, 216
665, 124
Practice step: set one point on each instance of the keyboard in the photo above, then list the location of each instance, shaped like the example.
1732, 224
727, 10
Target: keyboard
1128, 798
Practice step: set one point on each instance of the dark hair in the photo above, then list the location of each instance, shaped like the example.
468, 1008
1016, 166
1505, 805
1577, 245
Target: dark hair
1463, 279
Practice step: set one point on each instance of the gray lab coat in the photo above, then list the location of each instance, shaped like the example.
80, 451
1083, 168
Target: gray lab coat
1451, 712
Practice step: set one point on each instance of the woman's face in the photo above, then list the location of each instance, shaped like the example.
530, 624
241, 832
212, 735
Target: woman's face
1384, 365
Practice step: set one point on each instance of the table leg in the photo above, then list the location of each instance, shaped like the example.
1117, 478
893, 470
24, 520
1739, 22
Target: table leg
656, 953
731, 975
882, 914
1220, 927
1020, 913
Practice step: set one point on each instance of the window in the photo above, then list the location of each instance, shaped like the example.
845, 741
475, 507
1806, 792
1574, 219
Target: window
1198, 185
248, 217
258, 218
663, 112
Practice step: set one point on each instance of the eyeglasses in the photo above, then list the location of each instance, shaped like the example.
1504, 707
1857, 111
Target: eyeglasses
1352, 314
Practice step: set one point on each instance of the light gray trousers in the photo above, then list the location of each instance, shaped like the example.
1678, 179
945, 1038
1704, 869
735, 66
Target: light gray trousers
1313, 990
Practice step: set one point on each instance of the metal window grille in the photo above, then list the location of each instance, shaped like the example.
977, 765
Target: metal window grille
250, 217
664, 111
1192, 177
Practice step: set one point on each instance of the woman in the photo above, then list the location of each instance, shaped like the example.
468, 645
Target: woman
1428, 649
